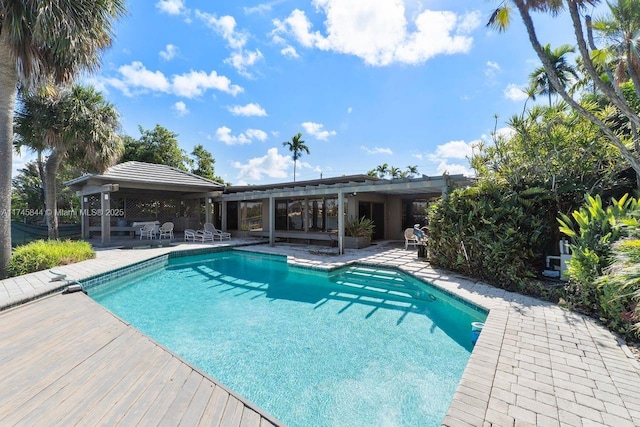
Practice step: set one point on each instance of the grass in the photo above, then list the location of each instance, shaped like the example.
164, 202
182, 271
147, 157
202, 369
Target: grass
44, 254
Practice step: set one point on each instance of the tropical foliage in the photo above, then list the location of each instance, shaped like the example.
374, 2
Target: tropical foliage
359, 227
384, 171
492, 232
158, 145
74, 125
43, 254
51, 39
595, 286
596, 62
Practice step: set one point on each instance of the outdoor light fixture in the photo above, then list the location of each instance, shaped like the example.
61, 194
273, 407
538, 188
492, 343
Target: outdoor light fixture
86, 199
106, 196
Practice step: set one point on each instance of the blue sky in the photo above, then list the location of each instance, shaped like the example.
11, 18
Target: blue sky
365, 82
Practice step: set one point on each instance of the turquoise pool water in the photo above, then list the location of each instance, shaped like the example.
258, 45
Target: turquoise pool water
357, 347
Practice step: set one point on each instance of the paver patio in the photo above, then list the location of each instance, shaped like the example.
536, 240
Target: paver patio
534, 364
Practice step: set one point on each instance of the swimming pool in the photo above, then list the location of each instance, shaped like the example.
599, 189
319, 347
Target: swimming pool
357, 346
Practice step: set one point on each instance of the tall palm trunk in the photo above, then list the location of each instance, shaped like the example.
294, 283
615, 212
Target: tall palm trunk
628, 155
50, 171
8, 80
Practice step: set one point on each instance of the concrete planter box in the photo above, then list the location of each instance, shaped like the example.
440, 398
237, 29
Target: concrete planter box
356, 242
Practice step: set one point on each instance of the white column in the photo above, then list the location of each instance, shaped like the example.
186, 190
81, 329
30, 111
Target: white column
224, 215
207, 209
340, 222
105, 230
272, 221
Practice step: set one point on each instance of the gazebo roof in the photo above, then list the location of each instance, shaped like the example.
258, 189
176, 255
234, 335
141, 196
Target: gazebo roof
139, 175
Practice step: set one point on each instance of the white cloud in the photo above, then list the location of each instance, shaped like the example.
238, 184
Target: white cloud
514, 92
251, 109
225, 26
349, 110
376, 150
289, 51
242, 59
272, 165
195, 83
180, 108
169, 52
261, 8
316, 130
453, 169
172, 7
456, 150
223, 134
453, 150
492, 69
135, 78
258, 134
377, 31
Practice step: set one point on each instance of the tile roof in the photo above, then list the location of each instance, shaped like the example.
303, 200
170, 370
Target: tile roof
149, 173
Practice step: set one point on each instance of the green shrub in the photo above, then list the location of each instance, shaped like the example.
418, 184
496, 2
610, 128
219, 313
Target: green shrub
492, 232
43, 254
592, 230
619, 290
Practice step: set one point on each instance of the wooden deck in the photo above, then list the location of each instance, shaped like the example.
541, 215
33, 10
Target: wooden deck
64, 360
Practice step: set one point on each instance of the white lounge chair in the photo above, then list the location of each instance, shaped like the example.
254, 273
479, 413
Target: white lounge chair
211, 229
193, 235
166, 230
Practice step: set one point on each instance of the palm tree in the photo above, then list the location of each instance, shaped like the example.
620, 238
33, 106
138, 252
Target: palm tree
382, 170
75, 125
622, 33
296, 146
411, 171
52, 38
539, 78
500, 20
394, 172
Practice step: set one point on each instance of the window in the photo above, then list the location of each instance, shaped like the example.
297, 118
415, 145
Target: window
251, 216
232, 215
414, 212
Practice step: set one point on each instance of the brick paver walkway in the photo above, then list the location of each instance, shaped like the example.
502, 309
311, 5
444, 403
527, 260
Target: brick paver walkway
535, 364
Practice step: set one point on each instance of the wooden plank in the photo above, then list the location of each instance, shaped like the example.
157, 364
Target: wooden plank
120, 359
149, 361
173, 415
61, 326
59, 354
250, 418
167, 395
213, 414
53, 396
145, 399
196, 408
266, 423
127, 400
232, 412
71, 362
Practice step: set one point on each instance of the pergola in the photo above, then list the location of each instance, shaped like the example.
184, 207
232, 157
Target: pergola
141, 191
355, 187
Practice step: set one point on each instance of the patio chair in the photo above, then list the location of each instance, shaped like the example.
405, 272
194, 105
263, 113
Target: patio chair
193, 235
410, 238
166, 230
210, 229
148, 230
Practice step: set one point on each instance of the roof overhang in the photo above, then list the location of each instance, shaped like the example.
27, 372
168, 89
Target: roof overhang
425, 186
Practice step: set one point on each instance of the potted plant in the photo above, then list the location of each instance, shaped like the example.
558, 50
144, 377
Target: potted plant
358, 233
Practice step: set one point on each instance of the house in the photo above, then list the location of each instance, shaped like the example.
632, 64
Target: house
313, 210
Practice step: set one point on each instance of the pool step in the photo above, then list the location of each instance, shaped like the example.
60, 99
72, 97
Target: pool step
379, 282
